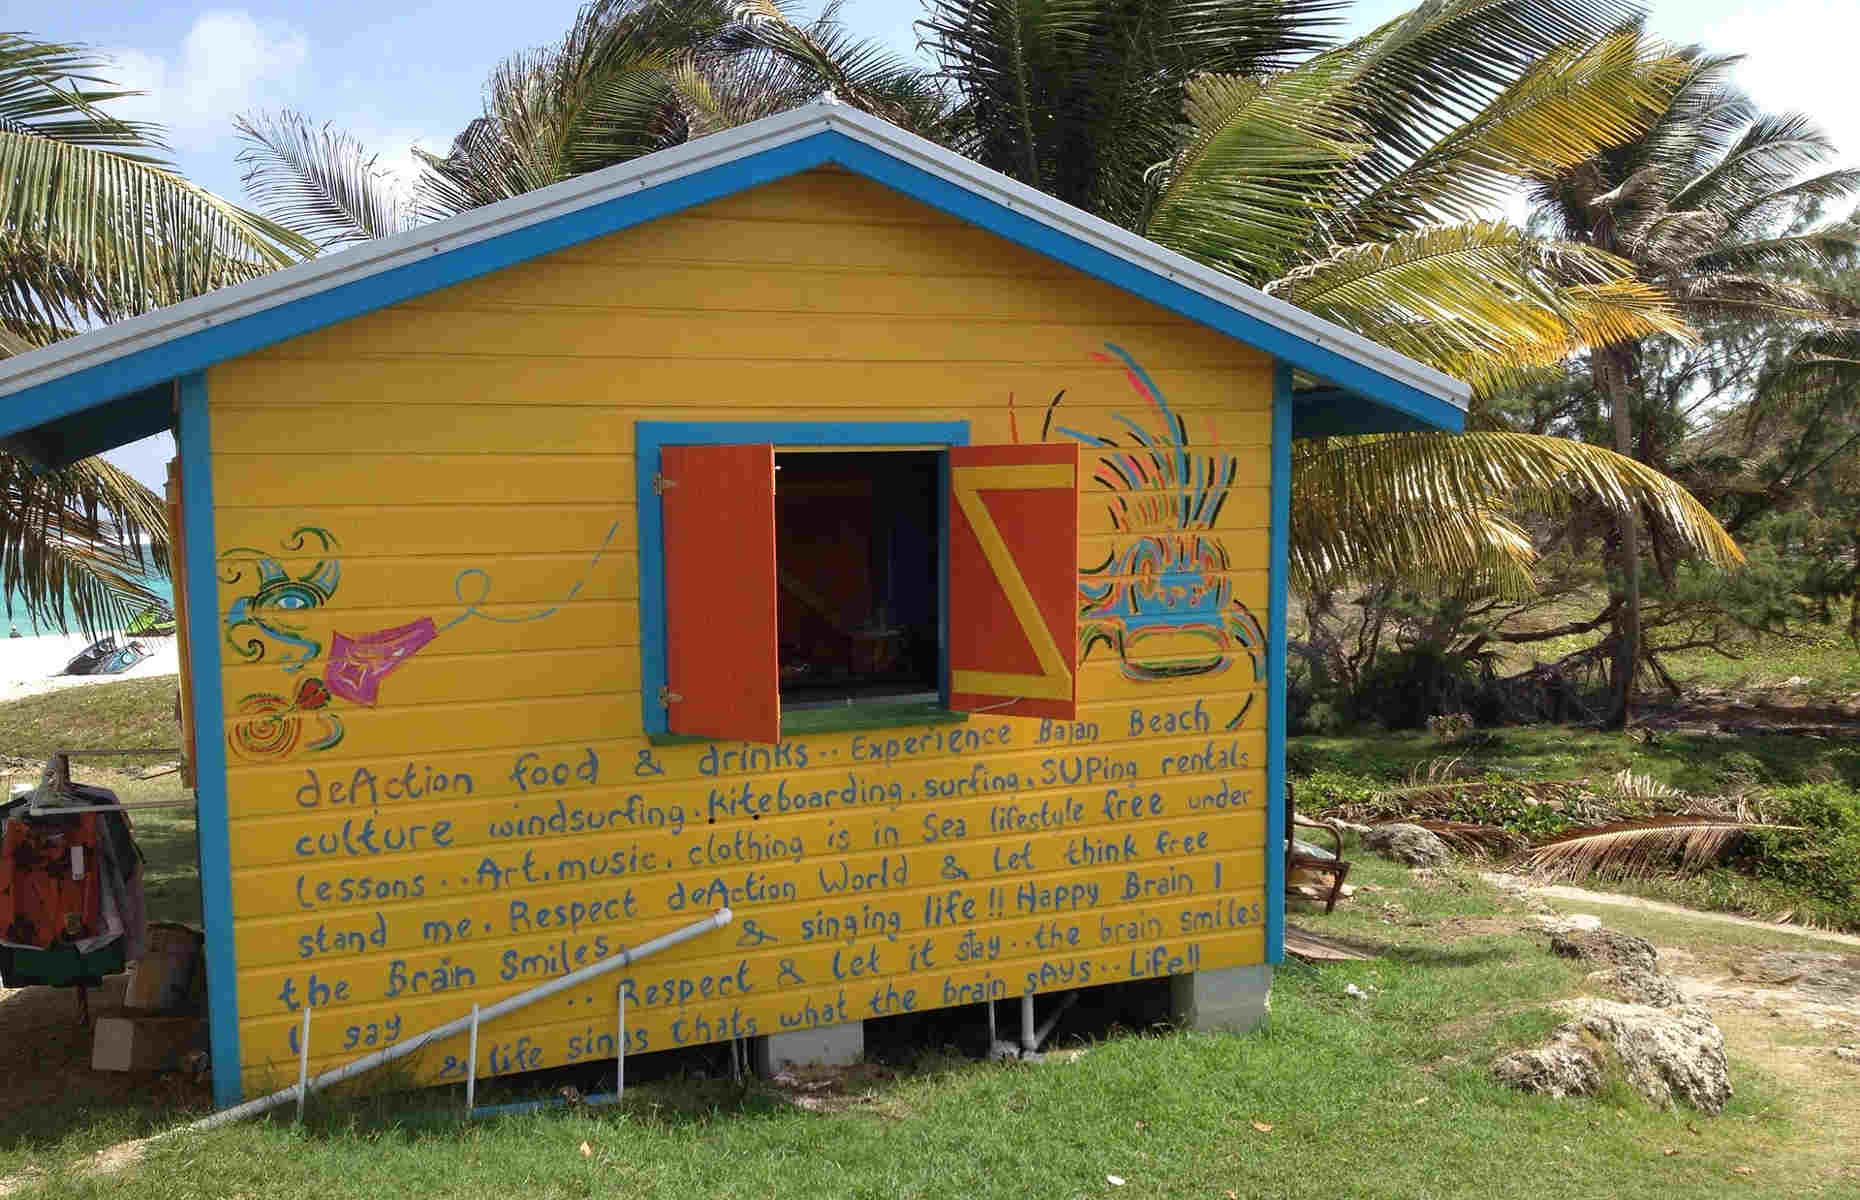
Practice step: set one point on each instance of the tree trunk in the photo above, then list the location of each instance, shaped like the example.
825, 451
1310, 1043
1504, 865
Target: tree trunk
1610, 369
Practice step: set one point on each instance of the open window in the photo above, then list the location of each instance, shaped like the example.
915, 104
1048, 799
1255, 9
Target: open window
813, 587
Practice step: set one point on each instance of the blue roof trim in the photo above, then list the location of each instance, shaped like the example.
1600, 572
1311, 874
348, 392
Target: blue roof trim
87, 388
130, 418
1329, 412
176, 357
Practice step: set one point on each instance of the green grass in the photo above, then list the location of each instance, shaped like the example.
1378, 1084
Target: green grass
1823, 655
1702, 763
1384, 1097
1336, 770
132, 712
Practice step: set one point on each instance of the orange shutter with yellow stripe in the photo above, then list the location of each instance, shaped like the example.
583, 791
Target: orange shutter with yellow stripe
1013, 580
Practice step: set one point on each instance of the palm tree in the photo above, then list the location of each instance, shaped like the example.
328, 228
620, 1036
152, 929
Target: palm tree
1355, 182
94, 227
1705, 204
628, 78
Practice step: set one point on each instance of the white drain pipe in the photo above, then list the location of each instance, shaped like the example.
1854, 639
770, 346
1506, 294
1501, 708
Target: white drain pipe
541, 991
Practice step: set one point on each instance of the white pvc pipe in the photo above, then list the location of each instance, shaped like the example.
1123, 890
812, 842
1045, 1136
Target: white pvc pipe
542, 991
1029, 1040
303, 1062
471, 1065
620, 1039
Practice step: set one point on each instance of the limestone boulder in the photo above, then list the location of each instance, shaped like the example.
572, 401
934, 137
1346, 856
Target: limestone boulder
1637, 985
1567, 1066
1671, 1055
1410, 845
1606, 947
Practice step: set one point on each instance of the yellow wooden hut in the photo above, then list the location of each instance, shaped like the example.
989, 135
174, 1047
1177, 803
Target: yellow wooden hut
805, 521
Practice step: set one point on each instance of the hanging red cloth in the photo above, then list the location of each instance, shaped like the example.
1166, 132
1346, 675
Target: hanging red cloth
51, 881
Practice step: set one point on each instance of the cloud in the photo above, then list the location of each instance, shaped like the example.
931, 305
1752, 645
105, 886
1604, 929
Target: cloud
228, 63
1784, 69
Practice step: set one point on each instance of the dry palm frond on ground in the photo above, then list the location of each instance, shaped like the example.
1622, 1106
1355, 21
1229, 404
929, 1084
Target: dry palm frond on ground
1634, 849
1476, 840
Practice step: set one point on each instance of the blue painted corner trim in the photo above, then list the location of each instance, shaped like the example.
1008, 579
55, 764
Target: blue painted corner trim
192, 436
1280, 586
649, 436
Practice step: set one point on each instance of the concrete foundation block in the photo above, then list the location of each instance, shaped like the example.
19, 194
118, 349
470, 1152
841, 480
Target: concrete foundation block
1236, 999
829, 1046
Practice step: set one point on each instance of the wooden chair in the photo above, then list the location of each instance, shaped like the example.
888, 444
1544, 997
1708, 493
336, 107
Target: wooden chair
1336, 868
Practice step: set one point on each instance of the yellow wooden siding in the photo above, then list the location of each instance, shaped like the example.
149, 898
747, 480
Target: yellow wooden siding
495, 815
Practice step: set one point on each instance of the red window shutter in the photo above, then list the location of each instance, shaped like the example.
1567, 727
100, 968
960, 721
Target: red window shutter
722, 661
1013, 580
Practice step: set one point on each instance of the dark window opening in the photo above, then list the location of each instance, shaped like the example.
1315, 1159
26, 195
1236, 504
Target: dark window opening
857, 565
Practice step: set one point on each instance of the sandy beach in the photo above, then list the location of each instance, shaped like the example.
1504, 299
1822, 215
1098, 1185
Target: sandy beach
29, 665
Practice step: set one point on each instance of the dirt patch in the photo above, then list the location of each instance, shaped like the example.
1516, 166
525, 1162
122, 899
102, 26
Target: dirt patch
1470, 927
45, 1058
1521, 886
834, 1089
1750, 713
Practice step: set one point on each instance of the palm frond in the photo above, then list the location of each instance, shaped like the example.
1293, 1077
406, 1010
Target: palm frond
1644, 789
320, 182
1474, 839
79, 539
1081, 97
1772, 153
1432, 501
1481, 299
1568, 105
1337, 538
1636, 849
112, 229
1245, 191
1421, 76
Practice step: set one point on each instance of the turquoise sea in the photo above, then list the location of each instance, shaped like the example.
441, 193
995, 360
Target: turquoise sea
17, 618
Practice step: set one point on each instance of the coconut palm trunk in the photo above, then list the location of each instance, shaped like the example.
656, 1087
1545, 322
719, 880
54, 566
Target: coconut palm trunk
1610, 369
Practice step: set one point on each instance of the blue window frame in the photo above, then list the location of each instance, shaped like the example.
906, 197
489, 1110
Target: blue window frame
649, 436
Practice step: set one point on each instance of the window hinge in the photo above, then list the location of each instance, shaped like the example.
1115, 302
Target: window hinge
667, 697
660, 484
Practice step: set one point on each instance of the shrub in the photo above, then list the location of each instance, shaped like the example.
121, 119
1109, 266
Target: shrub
1823, 862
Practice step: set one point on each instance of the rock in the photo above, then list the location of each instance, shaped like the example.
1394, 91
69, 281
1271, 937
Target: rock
1567, 1066
1352, 828
1669, 1053
1637, 985
1576, 923
1607, 946
1825, 976
1410, 845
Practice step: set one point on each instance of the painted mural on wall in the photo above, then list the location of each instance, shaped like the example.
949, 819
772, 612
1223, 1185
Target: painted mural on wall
269, 621
1163, 601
